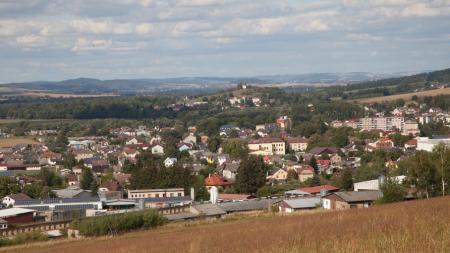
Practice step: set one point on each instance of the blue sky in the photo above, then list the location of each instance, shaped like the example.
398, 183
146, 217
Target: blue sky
106, 39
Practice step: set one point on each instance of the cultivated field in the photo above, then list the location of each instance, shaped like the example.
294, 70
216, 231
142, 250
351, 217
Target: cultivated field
406, 96
9, 142
418, 226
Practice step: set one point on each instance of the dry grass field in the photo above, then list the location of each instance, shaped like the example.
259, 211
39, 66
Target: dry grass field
418, 226
9, 142
406, 96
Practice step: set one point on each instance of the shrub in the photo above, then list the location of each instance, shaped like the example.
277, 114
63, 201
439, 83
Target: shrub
114, 224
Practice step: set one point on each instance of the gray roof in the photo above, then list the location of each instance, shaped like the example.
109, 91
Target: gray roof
180, 216
359, 196
249, 205
303, 203
209, 209
168, 199
297, 192
32, 202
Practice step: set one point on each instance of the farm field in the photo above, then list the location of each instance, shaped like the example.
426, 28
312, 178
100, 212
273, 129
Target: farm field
8, 142
416, 226
406, 96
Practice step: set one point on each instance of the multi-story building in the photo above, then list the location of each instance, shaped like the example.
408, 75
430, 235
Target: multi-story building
297, 144
381, 123
267, 146
155, 193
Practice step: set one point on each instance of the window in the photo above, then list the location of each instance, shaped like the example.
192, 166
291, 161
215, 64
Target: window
157, 195
179, 194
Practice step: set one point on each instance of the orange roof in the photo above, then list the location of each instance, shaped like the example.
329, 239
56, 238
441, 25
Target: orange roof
412, 142
317, 189
216, 180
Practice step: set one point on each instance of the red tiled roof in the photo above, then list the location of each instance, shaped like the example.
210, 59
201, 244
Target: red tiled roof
412, 142
323, 162
216, 180
317, 189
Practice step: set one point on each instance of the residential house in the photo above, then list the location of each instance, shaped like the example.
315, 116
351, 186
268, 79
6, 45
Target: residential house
158, 150
297, 144
305, 172
279, 174
318, 151
217, 181
9, 200
82, 154
319, 190
350, 199
295, 205
191, 138
170, 161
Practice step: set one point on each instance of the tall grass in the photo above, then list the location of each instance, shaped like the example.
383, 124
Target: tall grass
22, 238
417, 226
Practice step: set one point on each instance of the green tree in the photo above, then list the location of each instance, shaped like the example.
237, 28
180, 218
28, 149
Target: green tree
313, 164
8, 186
345, 181
423, 174
251, 174
214, 143
235, 148
392, 191
87, 179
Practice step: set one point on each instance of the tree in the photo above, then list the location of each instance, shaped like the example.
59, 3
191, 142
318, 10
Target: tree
345, 181
8, 185
201, 193
392, 191
315, 181
87, 179
422, 173
251, 175
441, 156
313, 164
214, 143
235, 148
292, 175
94, 188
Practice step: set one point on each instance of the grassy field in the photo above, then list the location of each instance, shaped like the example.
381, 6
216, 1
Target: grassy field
9, 142
406, 96
418, 226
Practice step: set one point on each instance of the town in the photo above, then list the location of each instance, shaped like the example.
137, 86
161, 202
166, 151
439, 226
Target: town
51, 179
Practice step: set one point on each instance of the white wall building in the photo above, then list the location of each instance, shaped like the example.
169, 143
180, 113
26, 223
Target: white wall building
427, 144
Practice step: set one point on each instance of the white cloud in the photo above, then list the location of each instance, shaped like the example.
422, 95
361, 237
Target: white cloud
316, 25
190, 26
364, 37
31, 40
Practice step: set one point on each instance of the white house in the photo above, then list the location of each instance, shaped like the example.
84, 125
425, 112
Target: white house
169, 162
158, 150
375, 184
133, 141
427, 144
190, 139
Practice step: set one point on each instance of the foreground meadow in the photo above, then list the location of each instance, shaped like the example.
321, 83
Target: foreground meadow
417, 226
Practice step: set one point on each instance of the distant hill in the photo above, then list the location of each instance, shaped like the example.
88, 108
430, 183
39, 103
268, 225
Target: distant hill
392, 86
186, 85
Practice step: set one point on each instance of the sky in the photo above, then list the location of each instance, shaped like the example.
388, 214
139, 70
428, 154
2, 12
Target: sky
109, 39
